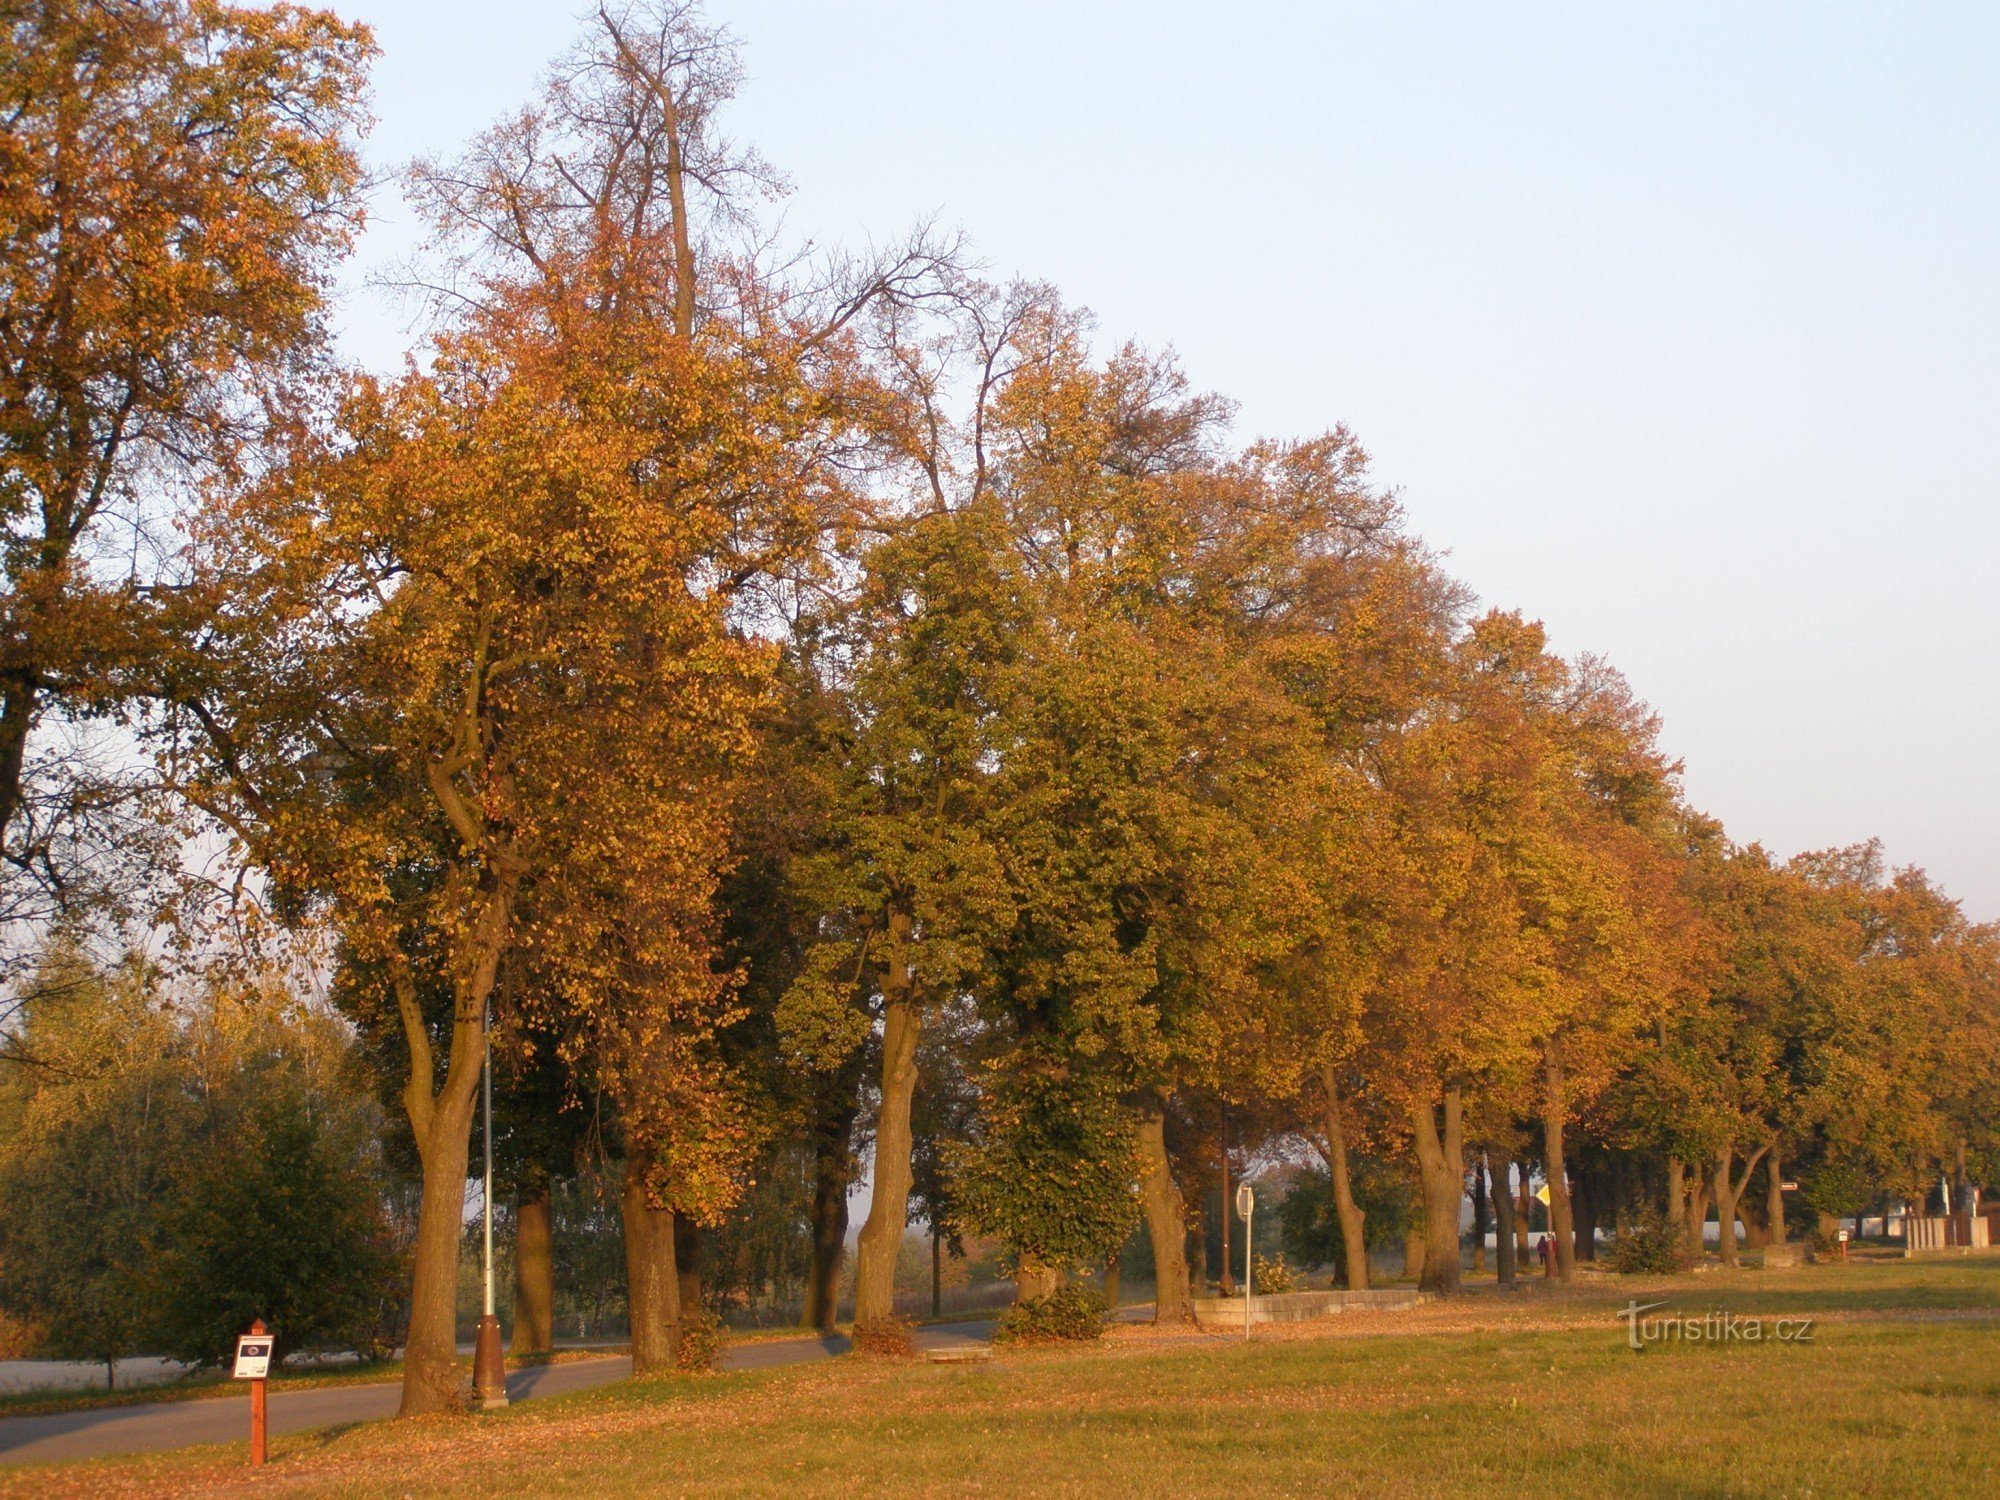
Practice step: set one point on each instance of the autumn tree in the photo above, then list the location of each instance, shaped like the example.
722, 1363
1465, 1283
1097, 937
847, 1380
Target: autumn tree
178, 182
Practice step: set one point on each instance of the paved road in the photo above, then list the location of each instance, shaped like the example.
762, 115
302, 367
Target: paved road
107, 1430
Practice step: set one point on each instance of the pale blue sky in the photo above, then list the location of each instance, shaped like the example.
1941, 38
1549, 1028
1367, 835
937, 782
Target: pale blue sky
1677, 326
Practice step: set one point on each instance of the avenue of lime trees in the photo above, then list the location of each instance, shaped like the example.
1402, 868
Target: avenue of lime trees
822, 708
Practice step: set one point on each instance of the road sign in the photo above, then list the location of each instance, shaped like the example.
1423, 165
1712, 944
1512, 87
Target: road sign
1245, 1201
253, 1357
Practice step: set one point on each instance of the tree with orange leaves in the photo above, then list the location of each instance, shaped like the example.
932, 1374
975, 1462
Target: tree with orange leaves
178, 181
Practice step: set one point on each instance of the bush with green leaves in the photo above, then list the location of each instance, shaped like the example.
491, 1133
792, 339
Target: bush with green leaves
1051, 1166
1272, 1277
1650, 1244
177, 1164
700, 1340
1071, 1313
285, 1224
1310, 1228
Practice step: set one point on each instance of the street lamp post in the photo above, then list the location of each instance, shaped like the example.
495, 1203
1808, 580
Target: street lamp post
489, 1366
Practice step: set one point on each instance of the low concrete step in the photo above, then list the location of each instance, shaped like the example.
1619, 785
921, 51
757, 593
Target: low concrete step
1299, 1307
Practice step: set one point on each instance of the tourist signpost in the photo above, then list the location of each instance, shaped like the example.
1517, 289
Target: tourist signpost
253, 1363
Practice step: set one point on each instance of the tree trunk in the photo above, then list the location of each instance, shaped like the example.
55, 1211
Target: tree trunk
1111, 1279
1033, 1281
430, 1348
881, 1239
1353, 1223
1728, 1195
1441, 1160
831, 1174
1756, 1221
937, 1273
534, 1273
652, 1286
687, 1262
17, 717
1504, 1252
1480, 1214
1413, 1255
1227, 1278
1586, 1190
1676, 1191
1166, 1221
1725, 1210
1524, 1220
1562, 1221
441, 1122
1697, 1212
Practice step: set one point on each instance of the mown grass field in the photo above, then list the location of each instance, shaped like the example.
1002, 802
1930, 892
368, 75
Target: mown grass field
1898, 1393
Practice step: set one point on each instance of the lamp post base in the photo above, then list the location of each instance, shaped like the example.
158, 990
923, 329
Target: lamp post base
489, 1366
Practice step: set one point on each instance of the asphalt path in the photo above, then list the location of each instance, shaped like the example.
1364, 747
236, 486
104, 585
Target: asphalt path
106, 1431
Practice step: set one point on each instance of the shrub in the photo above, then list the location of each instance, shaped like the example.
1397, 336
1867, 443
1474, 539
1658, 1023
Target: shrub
700, 1341
1652, 1243
18, 1337
1049, 1172
284, 1223
1272, 1277
1071, 1313
887, 1336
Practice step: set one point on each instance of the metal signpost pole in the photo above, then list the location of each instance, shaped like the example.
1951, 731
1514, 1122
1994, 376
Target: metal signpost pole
1246, 1205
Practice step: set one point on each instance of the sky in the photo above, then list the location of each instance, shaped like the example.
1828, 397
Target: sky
1676, 326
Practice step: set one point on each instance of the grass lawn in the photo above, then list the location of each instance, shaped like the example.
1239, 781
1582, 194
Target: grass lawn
1898, 1393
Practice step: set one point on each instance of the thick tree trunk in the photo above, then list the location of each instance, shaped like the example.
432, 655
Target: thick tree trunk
1504, 1252
430, 1352
1353, 1222
1676, 1191
652, 1285
1725, 1210
442, 1125
831, 1172
1562, 1221
1228, 1213
881, 1239
1111, 1286
17, 716
1441, 1160
1413, 1255
1728, 1196
1033, 1281
1166, 1220
687, 1261
1586, 1189
534, 1274
1697, 1211
431, 1373
1524, 1220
